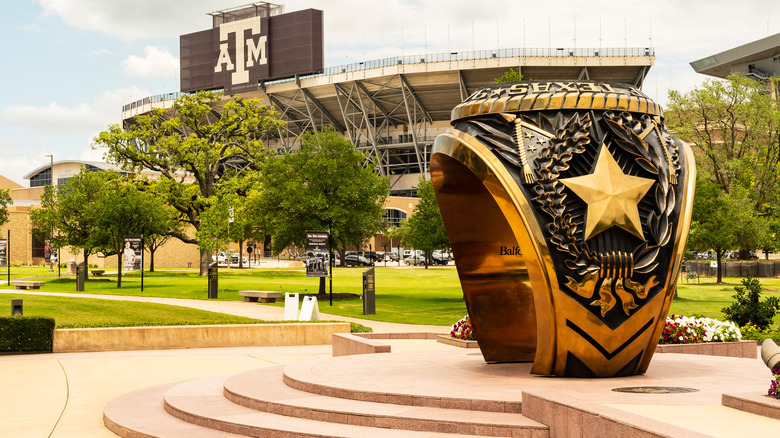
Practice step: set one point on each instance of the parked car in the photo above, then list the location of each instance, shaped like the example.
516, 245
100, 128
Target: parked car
234, 258
220, 257
440, 254
439, 259
372, 255
356, 260
415, 259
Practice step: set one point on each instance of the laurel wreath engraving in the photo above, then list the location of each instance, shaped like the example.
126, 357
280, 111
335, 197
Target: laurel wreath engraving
656, 154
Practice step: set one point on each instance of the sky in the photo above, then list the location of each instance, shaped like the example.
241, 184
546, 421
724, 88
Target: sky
68, 66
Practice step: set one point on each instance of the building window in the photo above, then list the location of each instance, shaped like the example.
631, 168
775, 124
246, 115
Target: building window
41, 179
394, 217
91, 168
37, 246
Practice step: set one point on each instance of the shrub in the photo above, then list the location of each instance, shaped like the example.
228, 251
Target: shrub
359, 328
749, 308
463, 330
26, 333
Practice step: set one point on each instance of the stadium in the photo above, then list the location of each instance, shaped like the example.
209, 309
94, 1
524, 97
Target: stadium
392, 108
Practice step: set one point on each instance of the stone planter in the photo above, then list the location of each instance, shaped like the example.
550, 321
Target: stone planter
743, 349
449, 340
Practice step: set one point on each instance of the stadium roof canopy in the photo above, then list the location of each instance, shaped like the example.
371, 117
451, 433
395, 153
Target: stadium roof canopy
394, 108
760, 59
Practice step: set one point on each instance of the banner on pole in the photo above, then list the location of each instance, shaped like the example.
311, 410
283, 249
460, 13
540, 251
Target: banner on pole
317, 257
3, 253
131, 256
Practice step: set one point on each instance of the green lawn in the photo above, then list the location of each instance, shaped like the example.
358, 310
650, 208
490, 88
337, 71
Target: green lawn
414, 296
27, 271
87, 312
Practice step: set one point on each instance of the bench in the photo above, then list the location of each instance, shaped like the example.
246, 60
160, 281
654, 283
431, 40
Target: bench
264, 296
98, 272
23, 285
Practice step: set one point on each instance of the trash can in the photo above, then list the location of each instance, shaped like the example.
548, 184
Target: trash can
81, 276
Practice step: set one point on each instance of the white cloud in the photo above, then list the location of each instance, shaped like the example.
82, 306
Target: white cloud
91, 154
135, 19
157, 62
100, 52
22, 157
79, 118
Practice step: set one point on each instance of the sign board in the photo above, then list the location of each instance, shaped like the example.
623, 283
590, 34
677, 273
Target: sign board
317, 257
310, 311
131, 255
213, 280
369, 297
291, 306
249, 45
713, 264
3, 252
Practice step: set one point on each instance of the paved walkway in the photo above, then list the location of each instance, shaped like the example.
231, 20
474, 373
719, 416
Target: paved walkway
62, 395
242, 308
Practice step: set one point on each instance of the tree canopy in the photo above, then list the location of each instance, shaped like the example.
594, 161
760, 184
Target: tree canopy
123, 210
5, 200
734, 125
510, 75
327, 183
425, 230
197, 147
721, 222
69, 213
94, 211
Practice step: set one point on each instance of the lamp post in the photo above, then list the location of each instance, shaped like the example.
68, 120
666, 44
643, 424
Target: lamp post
51, 182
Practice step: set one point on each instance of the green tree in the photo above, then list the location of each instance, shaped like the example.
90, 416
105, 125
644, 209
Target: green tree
722, 222
424, 230
509, 76
5, 200
121, 210
68, 215
735, 127
327, 183
219, 227
197, 147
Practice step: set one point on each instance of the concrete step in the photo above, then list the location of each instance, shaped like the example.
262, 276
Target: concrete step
264, 390
140, 414
201, 402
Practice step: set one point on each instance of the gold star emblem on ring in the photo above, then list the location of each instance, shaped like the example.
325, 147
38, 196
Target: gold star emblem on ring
611, 195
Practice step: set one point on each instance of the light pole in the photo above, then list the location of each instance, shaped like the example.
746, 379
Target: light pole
51, 182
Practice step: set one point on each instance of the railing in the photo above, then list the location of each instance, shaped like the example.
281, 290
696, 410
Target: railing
469, 55
151, 100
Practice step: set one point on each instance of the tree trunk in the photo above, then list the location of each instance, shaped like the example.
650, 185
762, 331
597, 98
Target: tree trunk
151, 259
205, 259
718, 255
119, 270
240, 254
86, 263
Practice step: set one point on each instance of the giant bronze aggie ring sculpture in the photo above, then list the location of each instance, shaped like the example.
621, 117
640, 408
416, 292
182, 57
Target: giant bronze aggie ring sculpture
568, 206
